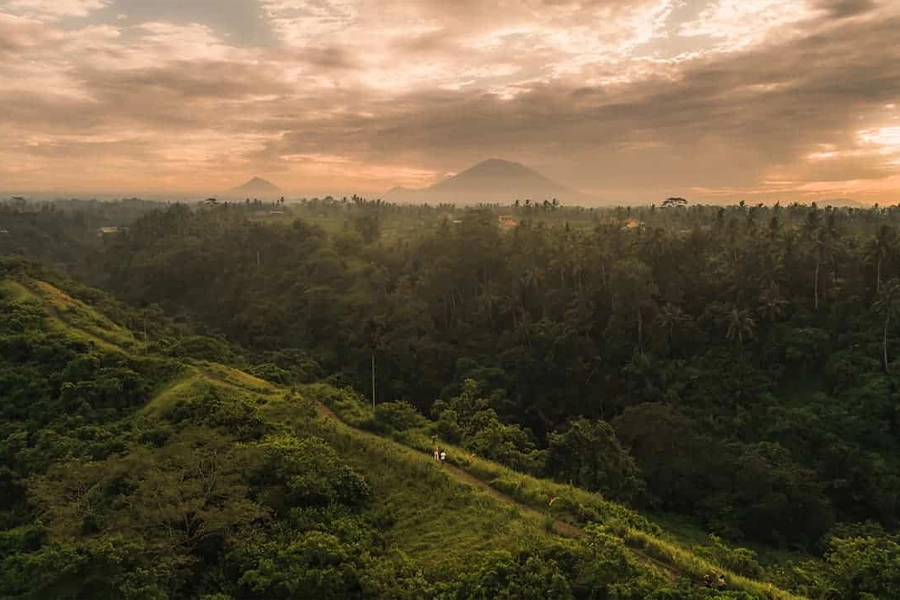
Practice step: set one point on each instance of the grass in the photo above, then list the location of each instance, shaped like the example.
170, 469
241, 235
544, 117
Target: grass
352, 409
236, 378
69, 316
15, 291
696, 567
82, 321
188, 385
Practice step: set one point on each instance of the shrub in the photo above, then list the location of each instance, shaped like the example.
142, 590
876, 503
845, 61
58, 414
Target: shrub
739, 560
395, 416
271, 373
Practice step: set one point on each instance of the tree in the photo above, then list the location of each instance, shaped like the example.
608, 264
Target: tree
674, 202
677, 464
812, 230
880, 249
669, 319
373, 332
888, 305
589, 455
775, 496
526, 576
469, 418
740, 325
368, 225
140, 519
863, 568
633, 290
772, 304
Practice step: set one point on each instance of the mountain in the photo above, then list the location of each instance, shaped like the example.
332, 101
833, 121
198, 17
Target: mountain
842, 203
491, 181
258, 188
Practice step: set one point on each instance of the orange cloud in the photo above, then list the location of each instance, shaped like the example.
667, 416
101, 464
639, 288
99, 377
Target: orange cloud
632, 99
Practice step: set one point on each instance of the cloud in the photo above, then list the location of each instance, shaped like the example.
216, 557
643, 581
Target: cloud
627, 99
847, 8
54, 9
739, 24
18, 34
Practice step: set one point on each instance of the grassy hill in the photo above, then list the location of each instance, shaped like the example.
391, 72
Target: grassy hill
94, 411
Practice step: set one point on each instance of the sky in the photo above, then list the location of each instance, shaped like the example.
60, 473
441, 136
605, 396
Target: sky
629, 101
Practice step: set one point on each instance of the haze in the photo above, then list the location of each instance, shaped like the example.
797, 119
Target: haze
625, 100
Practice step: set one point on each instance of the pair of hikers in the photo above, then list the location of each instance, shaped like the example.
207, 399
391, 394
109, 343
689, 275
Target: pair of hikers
439, 455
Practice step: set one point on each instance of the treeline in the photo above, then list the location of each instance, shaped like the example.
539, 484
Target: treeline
744, 356
61, 234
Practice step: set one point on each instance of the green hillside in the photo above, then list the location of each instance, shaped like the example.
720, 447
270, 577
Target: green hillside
130, 474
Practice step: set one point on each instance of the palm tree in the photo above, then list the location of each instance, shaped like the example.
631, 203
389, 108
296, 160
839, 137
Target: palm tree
633, 289
740, 325
888, 304
832, 247
670, 317
882, 246
812, 231
373, 329
771, 303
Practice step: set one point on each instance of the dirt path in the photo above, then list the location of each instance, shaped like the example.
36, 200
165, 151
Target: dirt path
560, 527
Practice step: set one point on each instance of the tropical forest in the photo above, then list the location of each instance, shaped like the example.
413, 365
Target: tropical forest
240, 400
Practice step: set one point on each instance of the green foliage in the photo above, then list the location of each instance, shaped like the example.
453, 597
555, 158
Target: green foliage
469, 419
589, 456
271, 373
742, 355
200, 348
317, 565
128, 526
740, 560
307, 472
146, 477
395, 416
214, 407
865, 568
61, 233
745, 324
500, 575
350, 405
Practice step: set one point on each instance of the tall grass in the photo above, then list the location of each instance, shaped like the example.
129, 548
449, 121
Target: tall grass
15, 291
237, 378
83, 321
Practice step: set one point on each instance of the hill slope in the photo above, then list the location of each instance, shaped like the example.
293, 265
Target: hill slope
120, 425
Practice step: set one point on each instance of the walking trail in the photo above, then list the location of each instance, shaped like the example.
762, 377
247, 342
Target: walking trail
560, 527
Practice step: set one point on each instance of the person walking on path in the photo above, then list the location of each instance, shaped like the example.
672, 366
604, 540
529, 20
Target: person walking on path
437, 452
443, 457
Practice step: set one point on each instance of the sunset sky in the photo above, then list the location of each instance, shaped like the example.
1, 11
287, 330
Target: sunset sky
626, 100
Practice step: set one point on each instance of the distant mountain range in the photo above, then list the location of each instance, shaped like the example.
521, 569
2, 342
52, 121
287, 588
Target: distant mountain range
257, 188
842, 203
490, 181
